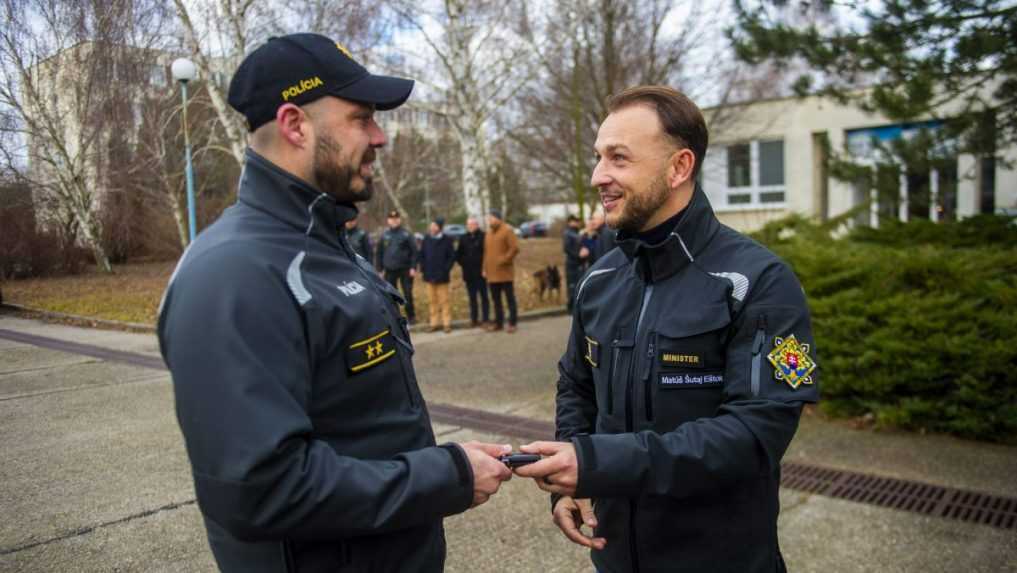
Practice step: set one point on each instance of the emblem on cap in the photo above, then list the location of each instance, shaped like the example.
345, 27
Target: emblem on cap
791, 361
343, 49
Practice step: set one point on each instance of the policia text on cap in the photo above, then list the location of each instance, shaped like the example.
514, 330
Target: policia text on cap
309, 441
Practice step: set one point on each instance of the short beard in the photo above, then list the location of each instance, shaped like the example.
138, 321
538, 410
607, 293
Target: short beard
640, 207
334, 178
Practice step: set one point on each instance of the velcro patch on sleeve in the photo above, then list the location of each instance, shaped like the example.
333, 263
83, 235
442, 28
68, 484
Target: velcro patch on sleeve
370, 351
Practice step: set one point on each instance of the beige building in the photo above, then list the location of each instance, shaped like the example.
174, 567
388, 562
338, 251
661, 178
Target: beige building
767, 160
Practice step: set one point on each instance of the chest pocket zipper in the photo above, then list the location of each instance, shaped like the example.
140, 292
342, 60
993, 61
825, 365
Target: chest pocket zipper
757, 353
651, 353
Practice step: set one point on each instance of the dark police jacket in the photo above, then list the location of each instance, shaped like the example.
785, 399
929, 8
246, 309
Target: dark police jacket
571, 243
397, 250
470, 255
310, 444
681, 388
437, 256
360, 242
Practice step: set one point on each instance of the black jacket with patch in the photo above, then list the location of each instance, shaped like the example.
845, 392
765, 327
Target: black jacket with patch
397, 250
681, 388
310, 444
360, 242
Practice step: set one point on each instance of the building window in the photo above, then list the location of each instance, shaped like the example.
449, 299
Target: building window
746, 175
157, 76
739, 164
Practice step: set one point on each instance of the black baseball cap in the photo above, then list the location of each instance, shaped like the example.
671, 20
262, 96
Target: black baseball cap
300, 68
393, 214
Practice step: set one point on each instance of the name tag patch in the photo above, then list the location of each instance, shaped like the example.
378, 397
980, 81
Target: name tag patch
682, 359
370, 351
670, 381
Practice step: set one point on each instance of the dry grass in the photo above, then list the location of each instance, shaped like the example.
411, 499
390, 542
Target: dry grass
133, 293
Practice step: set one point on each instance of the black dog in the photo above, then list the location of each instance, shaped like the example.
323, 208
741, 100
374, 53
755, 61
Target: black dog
547, 280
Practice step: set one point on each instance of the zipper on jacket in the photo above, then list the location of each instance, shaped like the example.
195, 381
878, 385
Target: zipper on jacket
615, 355
651, 353
630, 421
406, 377
757, 353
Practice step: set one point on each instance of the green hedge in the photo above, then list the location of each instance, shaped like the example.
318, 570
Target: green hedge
914, 323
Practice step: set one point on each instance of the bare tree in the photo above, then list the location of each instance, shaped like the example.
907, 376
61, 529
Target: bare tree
69, 73
482, 63
591, 49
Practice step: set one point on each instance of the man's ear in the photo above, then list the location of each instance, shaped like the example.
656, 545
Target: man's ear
680, 168
293, 125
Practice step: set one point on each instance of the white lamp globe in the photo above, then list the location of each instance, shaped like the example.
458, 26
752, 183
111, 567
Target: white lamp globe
183, 70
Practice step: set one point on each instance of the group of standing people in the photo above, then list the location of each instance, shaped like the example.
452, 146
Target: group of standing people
583, 246
487, 260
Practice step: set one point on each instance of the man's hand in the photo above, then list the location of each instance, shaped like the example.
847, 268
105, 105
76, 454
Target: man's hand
488, 471
570, 515
413, 273
584, 252
558, 473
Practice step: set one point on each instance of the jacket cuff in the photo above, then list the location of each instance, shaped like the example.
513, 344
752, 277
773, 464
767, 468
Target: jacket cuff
463, 470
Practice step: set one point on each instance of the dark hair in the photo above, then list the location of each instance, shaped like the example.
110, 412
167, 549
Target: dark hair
681, 119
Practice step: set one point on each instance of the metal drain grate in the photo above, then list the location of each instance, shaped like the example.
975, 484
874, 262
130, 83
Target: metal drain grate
926, 499
502, 424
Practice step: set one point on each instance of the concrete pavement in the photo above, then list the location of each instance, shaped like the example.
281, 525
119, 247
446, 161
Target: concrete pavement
93, 475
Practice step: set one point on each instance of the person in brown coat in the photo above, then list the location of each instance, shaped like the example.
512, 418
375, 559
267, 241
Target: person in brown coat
500, 250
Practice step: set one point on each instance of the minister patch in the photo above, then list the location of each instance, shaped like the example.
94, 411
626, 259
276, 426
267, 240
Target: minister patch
677, 359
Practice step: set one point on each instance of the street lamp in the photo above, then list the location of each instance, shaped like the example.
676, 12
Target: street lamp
184, 71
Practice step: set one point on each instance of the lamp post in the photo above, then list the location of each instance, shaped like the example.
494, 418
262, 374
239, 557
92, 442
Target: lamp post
184, 71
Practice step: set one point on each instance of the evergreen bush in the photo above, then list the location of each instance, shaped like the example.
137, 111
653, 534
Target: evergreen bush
915, 323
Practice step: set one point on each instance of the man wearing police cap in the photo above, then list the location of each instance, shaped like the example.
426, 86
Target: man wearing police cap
690, 359
310, 444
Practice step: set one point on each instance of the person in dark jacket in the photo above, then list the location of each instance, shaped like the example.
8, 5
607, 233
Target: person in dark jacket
605, 237
690, 359
470, 256
571, 244
397, 259
310, 445
358, 239
437, 256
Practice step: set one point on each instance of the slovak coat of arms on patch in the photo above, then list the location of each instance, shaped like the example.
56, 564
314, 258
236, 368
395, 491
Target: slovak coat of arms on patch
791, 361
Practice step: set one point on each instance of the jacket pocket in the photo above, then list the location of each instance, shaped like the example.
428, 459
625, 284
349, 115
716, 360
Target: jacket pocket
377, 357
684, 374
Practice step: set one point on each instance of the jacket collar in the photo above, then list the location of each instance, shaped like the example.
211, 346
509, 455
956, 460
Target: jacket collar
268, 188
695, 228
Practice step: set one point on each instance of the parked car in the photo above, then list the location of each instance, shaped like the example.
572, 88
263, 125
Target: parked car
455, 230
533, 229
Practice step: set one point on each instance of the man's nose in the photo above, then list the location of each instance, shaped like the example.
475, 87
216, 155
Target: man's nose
378, 138
600, 177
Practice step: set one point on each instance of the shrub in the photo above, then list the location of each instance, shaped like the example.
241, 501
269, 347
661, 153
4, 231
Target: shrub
915, 323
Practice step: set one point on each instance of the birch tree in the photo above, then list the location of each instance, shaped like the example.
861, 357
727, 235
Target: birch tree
482, 63
69, 72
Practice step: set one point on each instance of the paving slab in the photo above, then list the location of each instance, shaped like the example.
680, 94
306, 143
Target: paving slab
820, 534
21, 358
82, 375
145, 343
938, 459
167, 541
77, 459
495, 371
